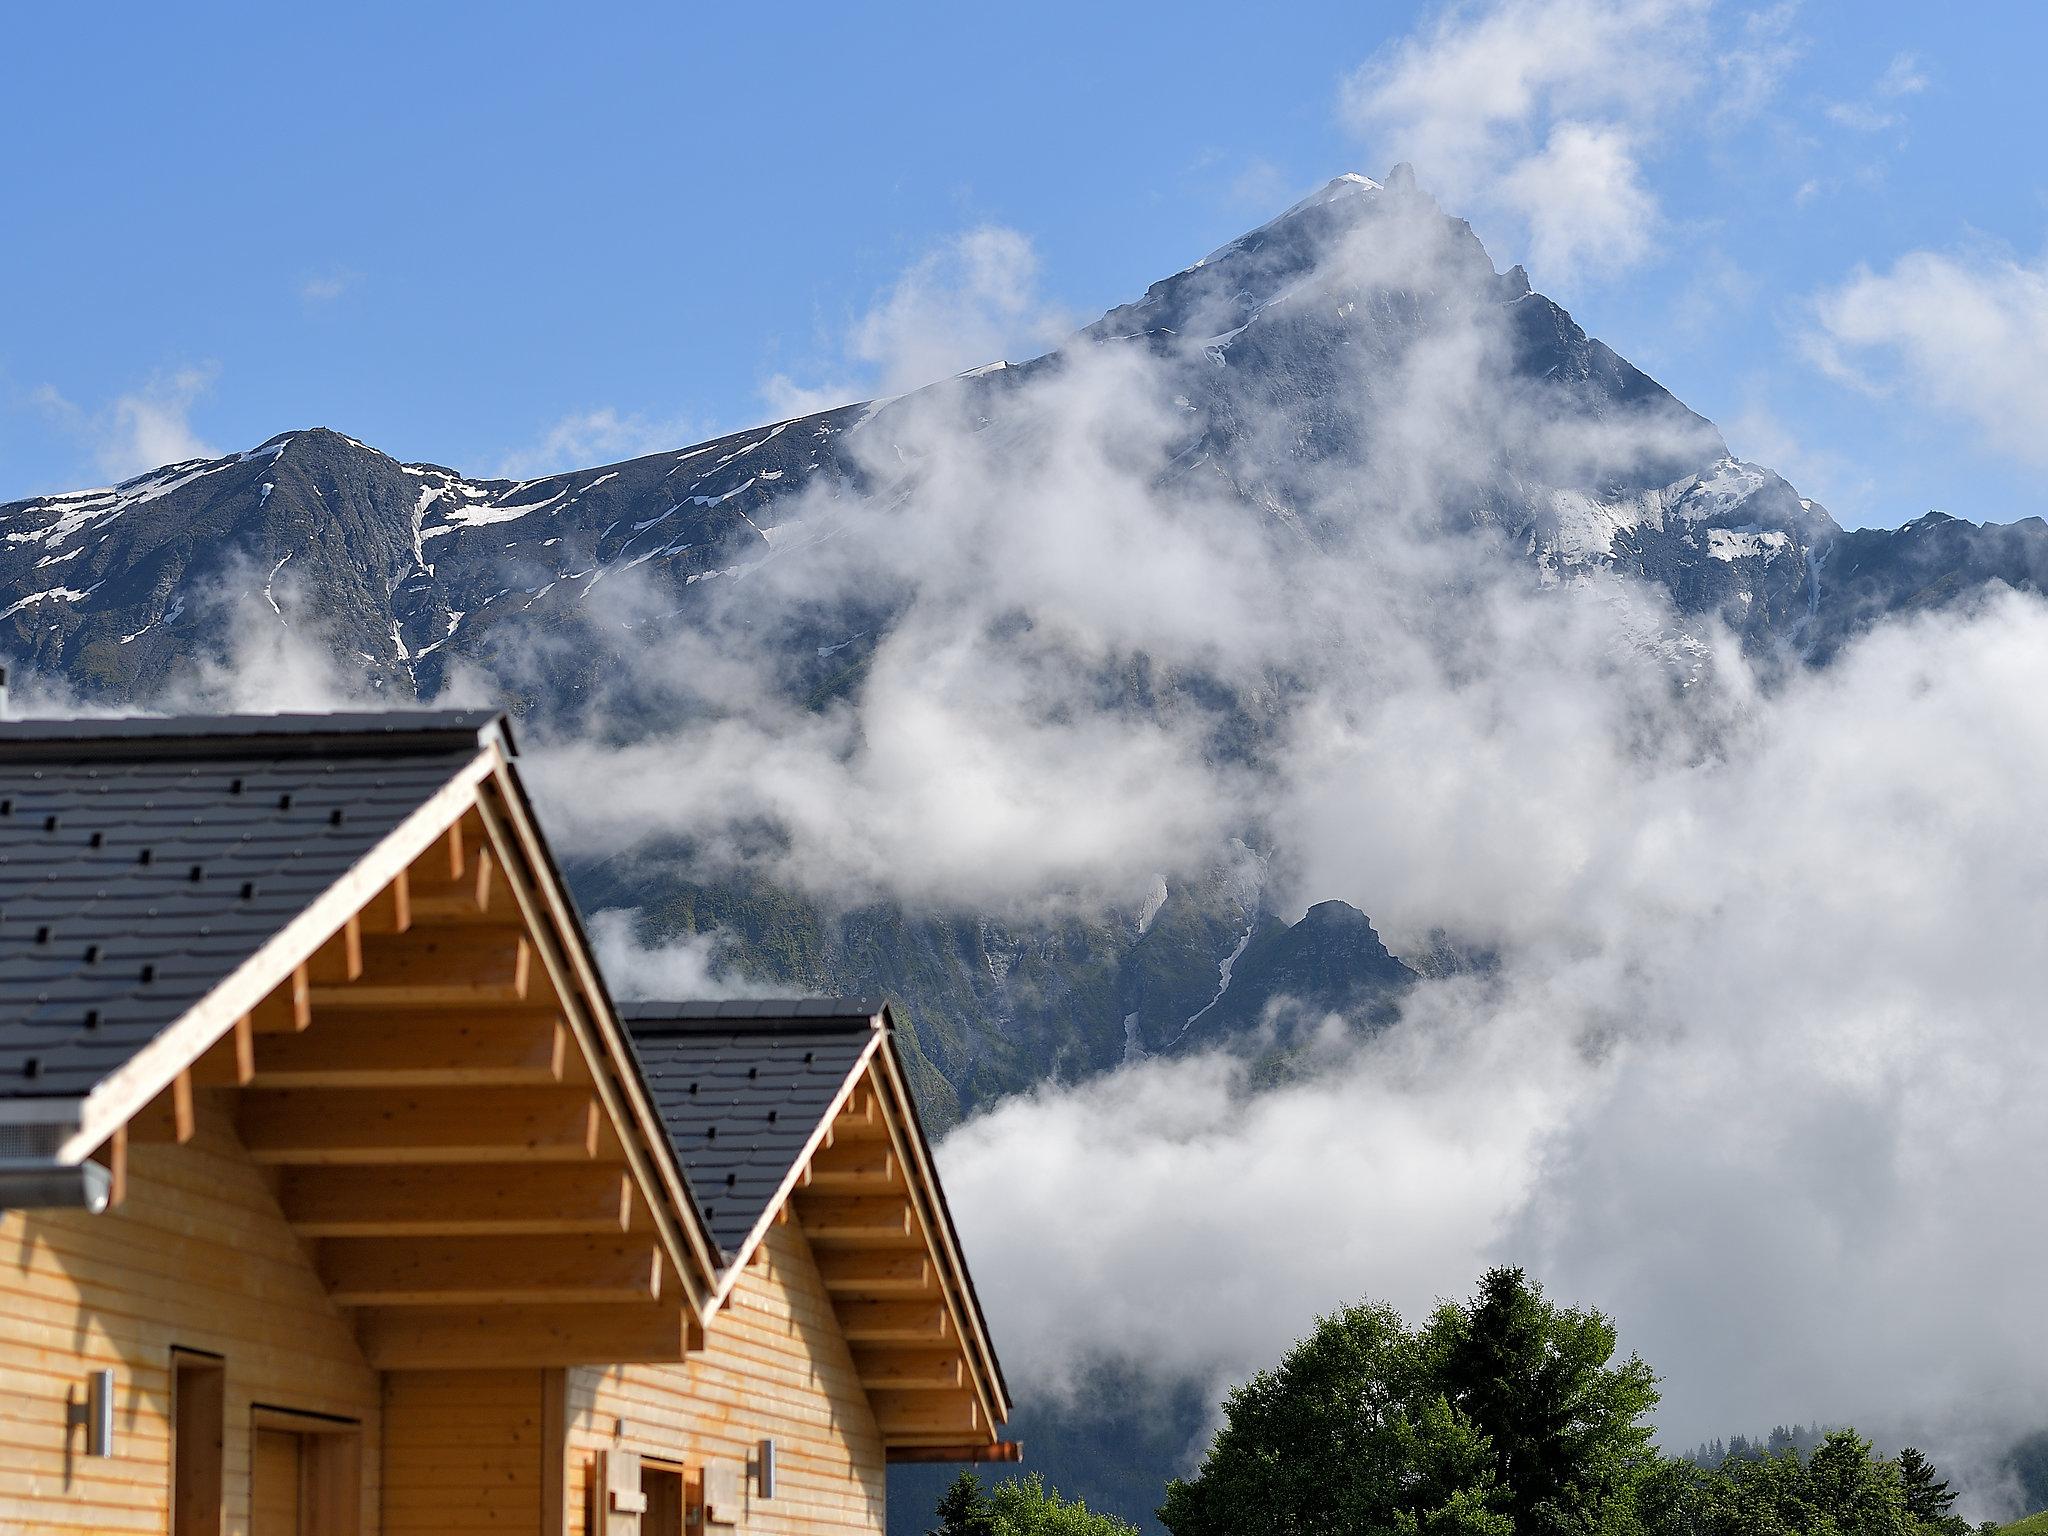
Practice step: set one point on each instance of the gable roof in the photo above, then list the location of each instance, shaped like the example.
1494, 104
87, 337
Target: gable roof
743, 1088
126, 979
144, 861
783, 1109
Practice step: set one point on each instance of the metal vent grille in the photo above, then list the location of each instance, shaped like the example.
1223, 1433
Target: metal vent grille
30, 1143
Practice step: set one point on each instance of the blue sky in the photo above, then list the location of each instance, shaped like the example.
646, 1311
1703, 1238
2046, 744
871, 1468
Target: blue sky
520, 239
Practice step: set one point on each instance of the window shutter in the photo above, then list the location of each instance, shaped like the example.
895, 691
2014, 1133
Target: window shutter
620, 1502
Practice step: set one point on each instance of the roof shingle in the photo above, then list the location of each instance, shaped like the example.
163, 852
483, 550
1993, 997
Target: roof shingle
740, 1088
143, 861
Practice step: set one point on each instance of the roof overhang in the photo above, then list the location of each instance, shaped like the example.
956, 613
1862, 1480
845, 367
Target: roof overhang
867, 1198
427, 1058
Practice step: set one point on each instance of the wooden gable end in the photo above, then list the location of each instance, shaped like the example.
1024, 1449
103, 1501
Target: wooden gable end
869, 1205
446, 1109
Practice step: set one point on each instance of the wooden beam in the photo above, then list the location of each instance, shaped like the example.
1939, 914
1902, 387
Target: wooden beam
231, 1060
859, 1272
483, 1200
456, 1338
426, 968
910, 1370
854, 1169
417, 1049
340, 958
447, 858
854, 1218
993, 1450
167, 1118
892, 1322
488, 1271
860, 1120
288, 1009
421, 1125
113, 1156
487, 885
484, 897
925, 1413
390, 910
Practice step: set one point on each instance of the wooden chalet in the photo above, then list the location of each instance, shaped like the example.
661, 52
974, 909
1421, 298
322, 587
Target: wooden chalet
337, 1195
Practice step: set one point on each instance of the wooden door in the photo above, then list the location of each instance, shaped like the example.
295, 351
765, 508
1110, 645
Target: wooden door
304, 1482
275, 1474
663, 1487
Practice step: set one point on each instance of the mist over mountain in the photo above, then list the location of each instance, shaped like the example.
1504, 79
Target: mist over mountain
1331, 748
1291, 393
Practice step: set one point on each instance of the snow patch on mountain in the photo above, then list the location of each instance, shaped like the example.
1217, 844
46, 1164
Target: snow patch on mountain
75, 511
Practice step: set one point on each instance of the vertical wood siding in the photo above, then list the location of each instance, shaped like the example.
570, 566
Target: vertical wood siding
774, 1366
198, 1257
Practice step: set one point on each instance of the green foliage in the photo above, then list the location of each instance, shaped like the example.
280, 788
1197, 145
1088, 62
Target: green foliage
1500, 1417
1021, 1507
1026, 1507
1927, 1495
1842, 1489
1509, 1416
965, 1510
2033, 1525
1564, 1426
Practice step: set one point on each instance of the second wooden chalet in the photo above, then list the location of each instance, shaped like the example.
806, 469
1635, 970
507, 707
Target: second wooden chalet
337, 1196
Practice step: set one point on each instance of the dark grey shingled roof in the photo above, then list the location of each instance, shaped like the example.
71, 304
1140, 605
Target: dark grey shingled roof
143, 861
740, 1087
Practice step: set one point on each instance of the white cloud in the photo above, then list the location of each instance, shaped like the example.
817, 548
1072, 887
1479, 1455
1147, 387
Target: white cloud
327, 286
971, 299
1963, 333
1583, 199
1861, 116
696, 966
1547, 108
604, 435
1902, 77
141, 430
966, 303
786, 399
1757, 1070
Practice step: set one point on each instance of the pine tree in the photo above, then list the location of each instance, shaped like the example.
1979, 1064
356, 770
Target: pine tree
1928, 1497
1540, 1382
965, 1510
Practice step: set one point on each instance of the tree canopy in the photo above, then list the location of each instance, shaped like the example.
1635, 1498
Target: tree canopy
1019, 1507
1510, 1415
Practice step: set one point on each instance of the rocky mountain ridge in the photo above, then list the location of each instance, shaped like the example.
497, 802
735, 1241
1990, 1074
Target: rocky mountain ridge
1282, 348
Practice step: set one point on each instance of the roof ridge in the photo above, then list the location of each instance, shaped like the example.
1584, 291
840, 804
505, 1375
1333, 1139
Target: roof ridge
336, 734
740, 1009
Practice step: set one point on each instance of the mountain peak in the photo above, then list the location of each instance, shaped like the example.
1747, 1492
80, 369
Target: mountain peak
1401, 178
1337, 188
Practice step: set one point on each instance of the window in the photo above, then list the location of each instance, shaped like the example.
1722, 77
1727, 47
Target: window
198, 1433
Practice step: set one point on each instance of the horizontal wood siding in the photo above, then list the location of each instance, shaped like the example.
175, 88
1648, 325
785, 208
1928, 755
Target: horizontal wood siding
774, 1366
463, 1452
199, 1257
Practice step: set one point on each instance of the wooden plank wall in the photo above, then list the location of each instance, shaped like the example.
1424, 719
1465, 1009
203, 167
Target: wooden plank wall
774, 1366
198, 1257
462, 1452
